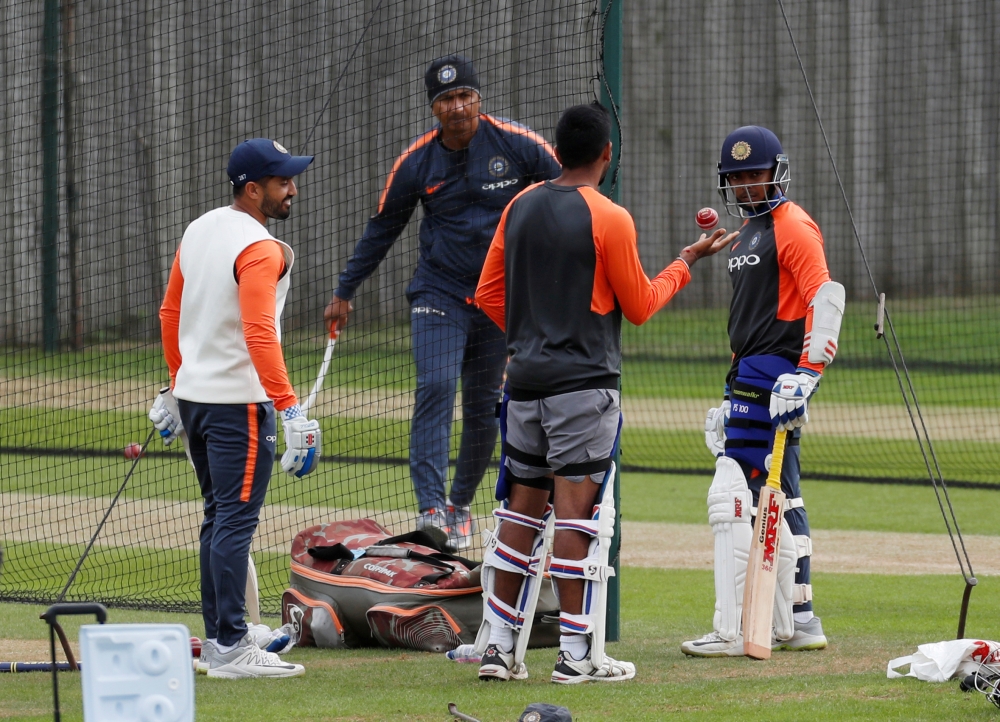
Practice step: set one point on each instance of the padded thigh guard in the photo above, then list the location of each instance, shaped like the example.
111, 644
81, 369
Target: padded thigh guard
593, 570
729, 508
500, 557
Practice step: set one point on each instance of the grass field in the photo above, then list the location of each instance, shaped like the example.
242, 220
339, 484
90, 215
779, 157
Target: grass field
869, 619
679, 358
96, 399
156, 568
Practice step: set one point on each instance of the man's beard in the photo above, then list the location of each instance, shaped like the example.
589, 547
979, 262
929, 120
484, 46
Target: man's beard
275, 209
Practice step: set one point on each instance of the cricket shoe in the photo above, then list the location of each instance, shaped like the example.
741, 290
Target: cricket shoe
461, 527
713, 645
434, 523
499, 665
249, 660
208, 651
571, 671
808, 636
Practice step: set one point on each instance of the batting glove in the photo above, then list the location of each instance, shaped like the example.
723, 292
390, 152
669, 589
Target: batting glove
169, 425
302, 442
790, 399
715, 428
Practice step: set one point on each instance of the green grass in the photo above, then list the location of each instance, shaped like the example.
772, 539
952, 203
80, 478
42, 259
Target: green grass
959, 331
136, 573
828, 455
680, 354
869, 619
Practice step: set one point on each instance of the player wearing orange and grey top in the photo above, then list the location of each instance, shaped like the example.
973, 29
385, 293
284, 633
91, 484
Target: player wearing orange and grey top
784, 322
561, 272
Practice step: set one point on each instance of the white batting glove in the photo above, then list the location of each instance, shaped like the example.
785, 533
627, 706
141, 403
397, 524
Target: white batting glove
169, 425
715, 428
790, 399
302, 442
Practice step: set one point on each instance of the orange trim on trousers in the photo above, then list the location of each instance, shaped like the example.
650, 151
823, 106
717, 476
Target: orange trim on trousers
251, 453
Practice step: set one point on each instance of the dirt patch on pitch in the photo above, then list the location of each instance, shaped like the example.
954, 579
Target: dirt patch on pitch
885, 421
160, 524
880, 421
32, 650
95, 394
690, 546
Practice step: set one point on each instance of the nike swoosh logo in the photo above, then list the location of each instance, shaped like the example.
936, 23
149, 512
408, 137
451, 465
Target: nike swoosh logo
429, 190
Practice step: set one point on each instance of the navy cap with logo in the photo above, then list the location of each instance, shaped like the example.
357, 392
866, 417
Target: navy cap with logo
749, 148
541, 712
257, 158
449, 73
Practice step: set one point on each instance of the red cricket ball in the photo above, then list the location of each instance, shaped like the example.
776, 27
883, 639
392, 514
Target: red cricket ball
195, 647
132, 451
707, 218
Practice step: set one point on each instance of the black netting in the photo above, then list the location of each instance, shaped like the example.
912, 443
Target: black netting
123, 115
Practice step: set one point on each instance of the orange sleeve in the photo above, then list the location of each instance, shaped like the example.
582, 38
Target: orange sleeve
619, 269
490, 294
258, 269
803, 269
170, 318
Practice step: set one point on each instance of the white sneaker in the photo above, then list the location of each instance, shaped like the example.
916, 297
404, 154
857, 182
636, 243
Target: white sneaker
249, 660
713, 645
208, 651
499, 665
433, 522
571, 671
461, 527
808, 636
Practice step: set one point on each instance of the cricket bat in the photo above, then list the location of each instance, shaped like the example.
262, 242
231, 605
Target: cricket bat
252, 600
762, 567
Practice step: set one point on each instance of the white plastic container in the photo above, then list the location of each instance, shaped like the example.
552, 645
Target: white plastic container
137, 672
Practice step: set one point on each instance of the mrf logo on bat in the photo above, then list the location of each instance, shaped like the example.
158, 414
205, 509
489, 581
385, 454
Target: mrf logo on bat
769, 533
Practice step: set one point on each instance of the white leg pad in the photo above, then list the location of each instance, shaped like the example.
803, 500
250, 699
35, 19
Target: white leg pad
784, 589
729, 504
500, 557
593, 570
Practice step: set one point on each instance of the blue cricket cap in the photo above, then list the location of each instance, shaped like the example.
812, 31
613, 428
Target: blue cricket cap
256, 158
749, 148
448, 73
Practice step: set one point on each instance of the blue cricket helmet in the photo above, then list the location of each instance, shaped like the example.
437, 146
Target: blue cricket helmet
752, 148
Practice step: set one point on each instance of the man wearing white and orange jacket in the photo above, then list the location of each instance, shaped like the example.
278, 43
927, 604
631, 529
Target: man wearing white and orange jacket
221, 329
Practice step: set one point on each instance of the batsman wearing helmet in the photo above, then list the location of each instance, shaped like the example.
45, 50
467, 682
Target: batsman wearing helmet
784, 321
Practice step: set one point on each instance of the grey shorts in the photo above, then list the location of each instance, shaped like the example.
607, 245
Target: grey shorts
573, 428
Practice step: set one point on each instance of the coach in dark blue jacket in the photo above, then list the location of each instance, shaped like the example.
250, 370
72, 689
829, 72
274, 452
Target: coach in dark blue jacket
465, 171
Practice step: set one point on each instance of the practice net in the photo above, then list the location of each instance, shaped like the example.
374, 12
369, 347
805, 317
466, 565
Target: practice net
118, 119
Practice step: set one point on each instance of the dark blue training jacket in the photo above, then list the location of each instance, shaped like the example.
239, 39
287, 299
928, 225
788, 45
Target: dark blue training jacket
464, 193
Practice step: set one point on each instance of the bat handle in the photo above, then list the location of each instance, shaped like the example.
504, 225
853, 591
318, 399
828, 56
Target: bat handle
777, 457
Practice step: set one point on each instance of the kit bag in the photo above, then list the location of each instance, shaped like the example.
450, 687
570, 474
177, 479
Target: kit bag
354, 584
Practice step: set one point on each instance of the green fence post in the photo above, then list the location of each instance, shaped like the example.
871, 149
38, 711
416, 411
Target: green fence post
611, 97
50, 177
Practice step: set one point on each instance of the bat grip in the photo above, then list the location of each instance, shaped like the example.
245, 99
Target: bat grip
777, 457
